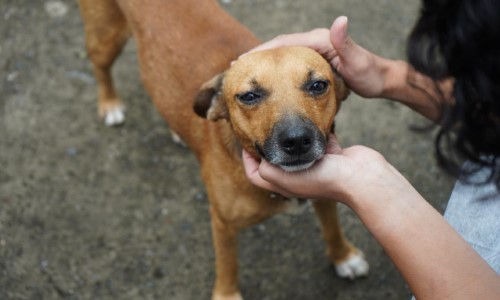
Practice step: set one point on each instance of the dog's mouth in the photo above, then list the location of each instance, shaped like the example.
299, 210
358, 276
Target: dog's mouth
294, 164
288, 165
297, 165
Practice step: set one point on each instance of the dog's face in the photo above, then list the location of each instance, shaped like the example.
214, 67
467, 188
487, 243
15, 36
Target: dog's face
280, 103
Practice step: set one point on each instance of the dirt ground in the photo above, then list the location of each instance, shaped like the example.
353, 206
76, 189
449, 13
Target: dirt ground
90, 212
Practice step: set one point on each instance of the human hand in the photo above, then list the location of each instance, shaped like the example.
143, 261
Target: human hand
346, 175
363, 71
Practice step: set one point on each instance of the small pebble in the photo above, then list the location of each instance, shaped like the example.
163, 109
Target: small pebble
12, 76
80, 76
56, 9
199, 196
10, 12
44, 264
159, 273
71, 151
186, 227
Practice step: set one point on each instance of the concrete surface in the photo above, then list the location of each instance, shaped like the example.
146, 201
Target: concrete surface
90, 212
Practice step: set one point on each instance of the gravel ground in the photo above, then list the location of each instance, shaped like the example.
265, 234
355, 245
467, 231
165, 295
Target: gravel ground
90, 212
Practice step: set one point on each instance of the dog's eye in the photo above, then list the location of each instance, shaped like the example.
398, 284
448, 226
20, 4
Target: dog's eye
317, 87
249, 98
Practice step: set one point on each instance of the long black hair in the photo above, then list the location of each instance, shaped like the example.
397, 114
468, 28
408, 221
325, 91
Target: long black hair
460, 39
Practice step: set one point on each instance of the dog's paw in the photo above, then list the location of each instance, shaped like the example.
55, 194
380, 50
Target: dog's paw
115, 116
353, 267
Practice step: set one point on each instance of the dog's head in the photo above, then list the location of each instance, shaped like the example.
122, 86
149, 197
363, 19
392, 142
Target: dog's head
280, 103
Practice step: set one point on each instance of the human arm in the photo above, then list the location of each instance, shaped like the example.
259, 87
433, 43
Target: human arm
370, 75
434, 260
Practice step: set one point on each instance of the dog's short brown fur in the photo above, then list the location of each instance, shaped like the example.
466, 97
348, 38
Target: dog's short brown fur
183, 45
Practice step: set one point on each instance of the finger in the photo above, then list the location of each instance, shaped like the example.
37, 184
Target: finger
333, 146
275, 175
250, 164
277, 42
251, 167
341, 40
317, 39
338, 33
288, 184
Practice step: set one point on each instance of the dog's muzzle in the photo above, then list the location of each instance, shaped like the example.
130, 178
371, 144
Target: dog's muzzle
295, 144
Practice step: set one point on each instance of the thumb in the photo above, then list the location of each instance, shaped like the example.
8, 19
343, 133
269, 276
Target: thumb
341, 41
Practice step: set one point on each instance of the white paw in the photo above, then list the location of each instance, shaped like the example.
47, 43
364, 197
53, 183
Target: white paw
236, 296
355, 266
115, 116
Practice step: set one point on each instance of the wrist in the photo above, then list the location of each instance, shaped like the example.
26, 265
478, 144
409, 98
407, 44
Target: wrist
387, 210
383, 186
394, 73
404, 84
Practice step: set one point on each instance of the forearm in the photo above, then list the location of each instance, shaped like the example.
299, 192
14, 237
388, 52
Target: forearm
417, 91
434, 260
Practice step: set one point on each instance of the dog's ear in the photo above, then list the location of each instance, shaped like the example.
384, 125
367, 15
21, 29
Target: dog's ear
208, 103
341, 89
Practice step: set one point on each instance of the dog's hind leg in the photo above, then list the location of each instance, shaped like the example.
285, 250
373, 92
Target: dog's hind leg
106, 32
349, 262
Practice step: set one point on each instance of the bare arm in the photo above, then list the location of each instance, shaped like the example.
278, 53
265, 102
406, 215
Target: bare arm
432, 257
415, 90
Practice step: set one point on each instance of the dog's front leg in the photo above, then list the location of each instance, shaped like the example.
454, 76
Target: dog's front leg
226, 259
349, 262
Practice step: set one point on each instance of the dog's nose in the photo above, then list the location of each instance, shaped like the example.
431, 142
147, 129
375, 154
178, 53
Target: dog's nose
296, 140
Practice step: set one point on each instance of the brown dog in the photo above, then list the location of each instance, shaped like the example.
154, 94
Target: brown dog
276, 104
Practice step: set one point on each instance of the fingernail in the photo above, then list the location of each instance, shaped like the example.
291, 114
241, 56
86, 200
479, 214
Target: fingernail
345, 21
